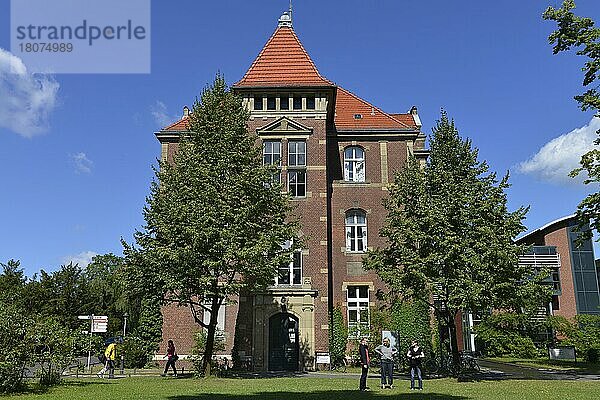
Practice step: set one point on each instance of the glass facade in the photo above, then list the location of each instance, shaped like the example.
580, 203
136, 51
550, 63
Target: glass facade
584, 273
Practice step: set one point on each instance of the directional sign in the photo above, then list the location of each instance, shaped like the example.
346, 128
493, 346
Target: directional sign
99, 324
85, 317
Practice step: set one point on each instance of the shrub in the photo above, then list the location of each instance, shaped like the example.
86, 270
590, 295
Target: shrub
508, 334
135, 352
198, 350
584, 334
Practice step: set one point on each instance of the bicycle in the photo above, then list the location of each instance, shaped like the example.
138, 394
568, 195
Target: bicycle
340, 364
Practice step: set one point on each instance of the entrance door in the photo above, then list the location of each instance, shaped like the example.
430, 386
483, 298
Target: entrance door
283, 342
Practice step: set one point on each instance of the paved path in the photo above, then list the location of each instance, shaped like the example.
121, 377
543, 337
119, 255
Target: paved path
498, 370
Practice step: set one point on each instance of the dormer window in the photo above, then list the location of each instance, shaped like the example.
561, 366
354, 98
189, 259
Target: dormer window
258, 103
357, 116
310, 102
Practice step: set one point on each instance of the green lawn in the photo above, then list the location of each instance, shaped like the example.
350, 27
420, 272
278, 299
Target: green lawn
312, 388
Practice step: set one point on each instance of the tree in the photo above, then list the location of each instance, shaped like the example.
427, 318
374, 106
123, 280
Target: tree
579, 32
215, 220
450, 235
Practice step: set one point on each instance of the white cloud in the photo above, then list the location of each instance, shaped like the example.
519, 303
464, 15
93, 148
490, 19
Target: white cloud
27, 99
83, 259
161, 115
83, 165
561, 155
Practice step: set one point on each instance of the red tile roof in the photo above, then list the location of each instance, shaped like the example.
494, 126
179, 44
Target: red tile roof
354, 113
179, 126
283, 62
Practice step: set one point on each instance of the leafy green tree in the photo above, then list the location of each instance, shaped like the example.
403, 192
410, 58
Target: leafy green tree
215, 221
15, 353
106, 293
576, 32
450, 234
62, 294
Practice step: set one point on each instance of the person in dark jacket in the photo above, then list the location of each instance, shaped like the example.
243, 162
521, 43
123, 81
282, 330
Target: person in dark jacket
415, 355
363, 350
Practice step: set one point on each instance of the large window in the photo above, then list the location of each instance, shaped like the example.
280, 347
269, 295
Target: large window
354, 164
356, 231
297, 168
358, 310
272, 156
584, 272
291, 274
220, 317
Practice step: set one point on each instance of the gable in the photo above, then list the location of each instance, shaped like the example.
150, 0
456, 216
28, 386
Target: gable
284, 125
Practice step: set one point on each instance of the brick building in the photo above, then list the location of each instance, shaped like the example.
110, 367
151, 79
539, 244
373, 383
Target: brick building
336, 153
573, 275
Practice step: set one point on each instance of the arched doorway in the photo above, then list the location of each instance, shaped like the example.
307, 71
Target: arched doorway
283, 342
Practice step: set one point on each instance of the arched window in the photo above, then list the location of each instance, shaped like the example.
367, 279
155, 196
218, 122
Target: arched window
356, 231
354, 164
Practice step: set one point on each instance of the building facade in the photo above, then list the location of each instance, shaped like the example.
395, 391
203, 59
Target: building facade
572, 274
575, 281
336, 154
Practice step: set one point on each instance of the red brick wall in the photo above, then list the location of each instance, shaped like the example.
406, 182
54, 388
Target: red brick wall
560, 239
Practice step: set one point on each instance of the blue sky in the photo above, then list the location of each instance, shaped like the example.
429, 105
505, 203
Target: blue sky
76, 167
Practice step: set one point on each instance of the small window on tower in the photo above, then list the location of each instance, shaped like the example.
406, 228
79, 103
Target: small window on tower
357, 116
297, 103
270, 103
284, 103
258, 103
310, 102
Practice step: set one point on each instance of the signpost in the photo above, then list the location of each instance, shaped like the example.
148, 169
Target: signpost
98, 324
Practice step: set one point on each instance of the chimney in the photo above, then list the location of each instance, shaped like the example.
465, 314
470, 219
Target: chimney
415, 114
186, 112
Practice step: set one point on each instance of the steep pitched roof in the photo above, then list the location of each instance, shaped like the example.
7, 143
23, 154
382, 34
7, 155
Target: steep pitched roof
283, 62
355, 114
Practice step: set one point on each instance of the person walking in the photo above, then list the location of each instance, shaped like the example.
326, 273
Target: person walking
110, 355
387, 353
171, 358
415, 355
363, 350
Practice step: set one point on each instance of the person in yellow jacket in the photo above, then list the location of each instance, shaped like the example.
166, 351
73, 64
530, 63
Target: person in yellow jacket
110, 354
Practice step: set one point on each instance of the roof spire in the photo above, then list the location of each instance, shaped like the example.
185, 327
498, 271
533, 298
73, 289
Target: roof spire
286, 18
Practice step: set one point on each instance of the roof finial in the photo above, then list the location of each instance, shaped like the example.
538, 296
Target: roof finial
286, 18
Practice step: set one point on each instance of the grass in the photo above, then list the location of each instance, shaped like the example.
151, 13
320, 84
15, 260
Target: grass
545, 363
308, 388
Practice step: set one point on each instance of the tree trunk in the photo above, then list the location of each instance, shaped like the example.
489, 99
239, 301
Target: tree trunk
453, 340
210, 337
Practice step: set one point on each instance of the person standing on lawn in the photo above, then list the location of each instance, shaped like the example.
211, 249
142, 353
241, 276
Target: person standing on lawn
387, 353
415, 355
363, 350
171, 358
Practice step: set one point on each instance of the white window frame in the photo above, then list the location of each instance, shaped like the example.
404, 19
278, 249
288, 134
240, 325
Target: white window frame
272, 155
356, 231
296, 163
354, 165
355, 303
295, 266
220, 317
